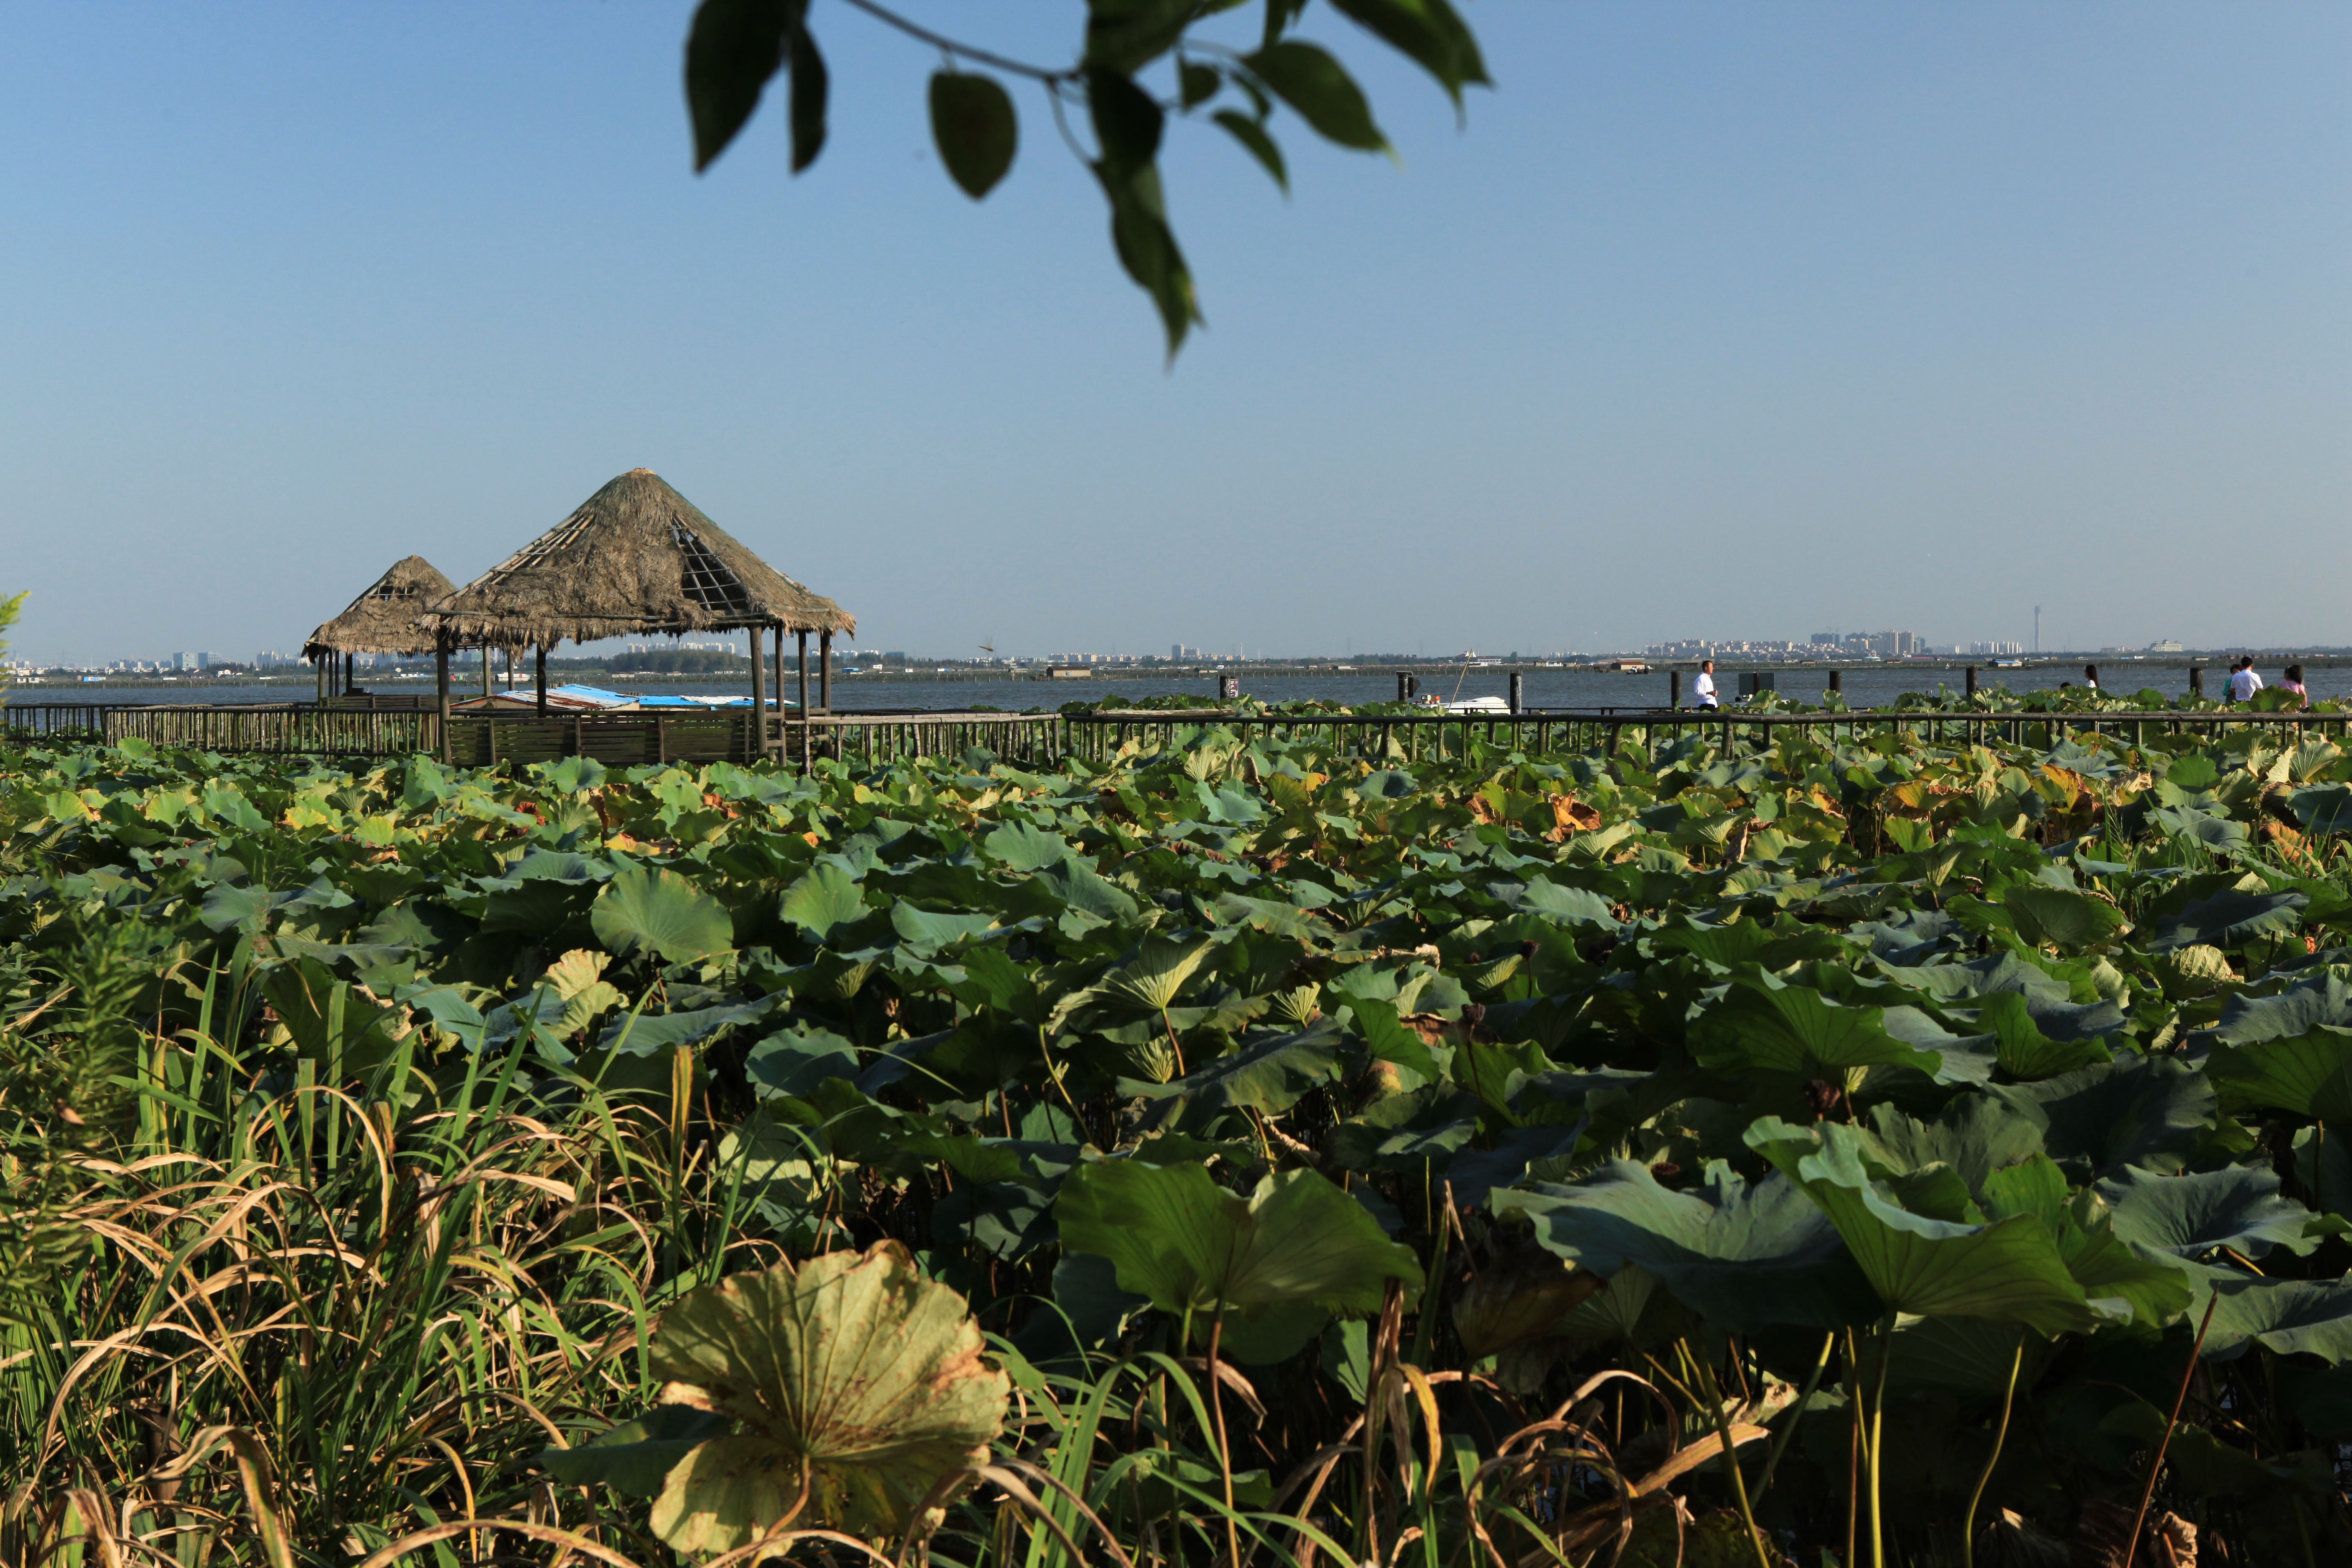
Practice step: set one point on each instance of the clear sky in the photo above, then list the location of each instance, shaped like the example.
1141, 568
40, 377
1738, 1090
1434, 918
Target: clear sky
1712, 319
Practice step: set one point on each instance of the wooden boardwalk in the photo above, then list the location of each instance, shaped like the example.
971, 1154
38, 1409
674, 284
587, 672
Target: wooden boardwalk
643, 736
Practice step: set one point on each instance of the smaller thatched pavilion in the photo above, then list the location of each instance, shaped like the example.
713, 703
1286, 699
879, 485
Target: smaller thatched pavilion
389, 618
638, 558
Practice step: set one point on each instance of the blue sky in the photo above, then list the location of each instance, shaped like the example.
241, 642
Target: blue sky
1719, 319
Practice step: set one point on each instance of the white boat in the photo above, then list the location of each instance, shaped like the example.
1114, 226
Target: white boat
1465, 704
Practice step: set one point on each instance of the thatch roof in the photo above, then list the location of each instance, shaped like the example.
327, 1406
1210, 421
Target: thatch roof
387, 617
636, 557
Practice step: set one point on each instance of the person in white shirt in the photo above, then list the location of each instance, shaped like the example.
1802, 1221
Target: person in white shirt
1702, 688
2245, 682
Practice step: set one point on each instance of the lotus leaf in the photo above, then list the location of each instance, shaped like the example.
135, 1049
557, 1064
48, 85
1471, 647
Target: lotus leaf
2290, 1316
2062, 917
2310, 1076
2228, 919
635, 1456
661, 913
1296, 1249
853, 1374
2009, 1270
824, 899
2196, 1213
1791, 1029
1744, 1257
2102, 1119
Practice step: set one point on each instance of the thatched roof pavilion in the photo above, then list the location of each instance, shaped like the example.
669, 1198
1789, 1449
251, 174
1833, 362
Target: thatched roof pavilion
386, 618
636, 557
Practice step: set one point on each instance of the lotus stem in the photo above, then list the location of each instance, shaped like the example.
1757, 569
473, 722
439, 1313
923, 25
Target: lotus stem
1731, 1456
2156, 1463
1877, 1438
2000, 1435
1225, 1451
1853, 1446
1796, 1414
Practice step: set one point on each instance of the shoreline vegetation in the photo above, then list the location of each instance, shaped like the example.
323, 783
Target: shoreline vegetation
1864, 1149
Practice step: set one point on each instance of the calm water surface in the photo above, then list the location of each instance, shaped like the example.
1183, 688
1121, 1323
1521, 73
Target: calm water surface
1545, 688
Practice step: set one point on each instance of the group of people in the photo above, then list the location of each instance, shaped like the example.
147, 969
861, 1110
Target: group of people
2243, 682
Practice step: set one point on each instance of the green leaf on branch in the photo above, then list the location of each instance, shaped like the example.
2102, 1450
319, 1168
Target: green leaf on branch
812, 90
1127, 121
1430, 33
734, 47
1309, 81
975, 129
1256, 143
1197, 83
1127, 34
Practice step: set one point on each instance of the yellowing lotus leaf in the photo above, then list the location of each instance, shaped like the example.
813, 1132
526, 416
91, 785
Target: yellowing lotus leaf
853, 1370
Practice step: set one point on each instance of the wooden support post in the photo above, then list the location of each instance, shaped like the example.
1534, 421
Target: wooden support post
825, 669
2197, 682
759, 694
1518, 690
348, 660
1972, 683
320, 664
486, 669
1837, 680
1404, 692
1674, 689
441, 689
543, 681
781, 730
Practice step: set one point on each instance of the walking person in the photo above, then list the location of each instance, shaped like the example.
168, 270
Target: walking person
1703, 684
2245, 682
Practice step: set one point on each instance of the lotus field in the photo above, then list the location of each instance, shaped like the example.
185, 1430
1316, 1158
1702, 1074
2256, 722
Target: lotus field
1228, 1154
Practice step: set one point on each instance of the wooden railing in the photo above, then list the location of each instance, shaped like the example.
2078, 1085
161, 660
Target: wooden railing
867, 740
290, 728
873, 739
1099, 735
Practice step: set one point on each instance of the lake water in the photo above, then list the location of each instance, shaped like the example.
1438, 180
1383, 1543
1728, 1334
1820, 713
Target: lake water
1866, 687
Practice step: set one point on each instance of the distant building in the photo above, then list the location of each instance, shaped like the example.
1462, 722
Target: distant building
1997, 649
1886, 645
1184, 653
2166, 645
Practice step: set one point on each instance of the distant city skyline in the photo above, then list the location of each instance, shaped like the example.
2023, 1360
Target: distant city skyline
1820, 647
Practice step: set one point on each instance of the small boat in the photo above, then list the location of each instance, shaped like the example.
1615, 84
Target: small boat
1465, 704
